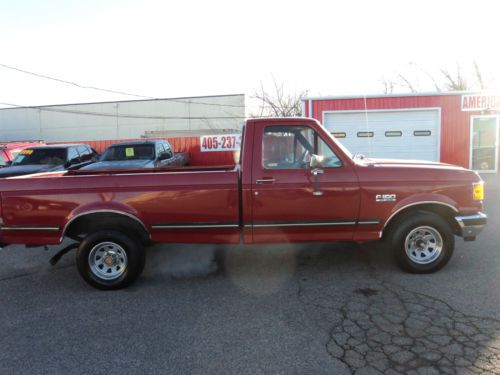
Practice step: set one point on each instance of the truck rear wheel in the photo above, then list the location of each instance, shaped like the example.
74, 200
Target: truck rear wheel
110, 260
423, 242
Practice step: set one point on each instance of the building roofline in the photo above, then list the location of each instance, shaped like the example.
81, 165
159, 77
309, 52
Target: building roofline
124, 101
399, 95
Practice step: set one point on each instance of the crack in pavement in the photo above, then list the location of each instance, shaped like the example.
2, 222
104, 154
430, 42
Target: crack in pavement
381, 327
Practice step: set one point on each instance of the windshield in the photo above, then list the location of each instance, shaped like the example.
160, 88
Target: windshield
3, 162
132, 152
40, 156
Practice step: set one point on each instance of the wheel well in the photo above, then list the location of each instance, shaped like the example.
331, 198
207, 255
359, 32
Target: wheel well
447, 213
88, 223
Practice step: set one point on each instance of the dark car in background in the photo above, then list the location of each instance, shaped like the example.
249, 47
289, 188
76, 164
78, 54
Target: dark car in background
9, 150
50, 159
140, 154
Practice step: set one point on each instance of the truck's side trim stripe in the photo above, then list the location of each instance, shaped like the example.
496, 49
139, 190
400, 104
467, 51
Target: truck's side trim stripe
303, 224
30, 228
193, 226
369, 222
269, 225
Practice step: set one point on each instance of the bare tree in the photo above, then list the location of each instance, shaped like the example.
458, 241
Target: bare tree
406, 83
430, 76
479, 77
279, 103
454, 81
388, 85
447, 80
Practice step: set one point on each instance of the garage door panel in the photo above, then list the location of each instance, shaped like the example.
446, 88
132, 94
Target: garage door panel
406, 146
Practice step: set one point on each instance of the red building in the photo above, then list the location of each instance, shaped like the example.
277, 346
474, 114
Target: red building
459, 128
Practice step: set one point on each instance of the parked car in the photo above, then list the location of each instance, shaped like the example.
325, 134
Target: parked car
295, 183
139, 154
9, 150
50, 159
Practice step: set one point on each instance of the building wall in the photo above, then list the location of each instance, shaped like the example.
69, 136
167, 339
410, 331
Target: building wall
455, 123
122, 120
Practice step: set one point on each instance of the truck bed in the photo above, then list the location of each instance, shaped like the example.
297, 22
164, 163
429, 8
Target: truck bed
164, 200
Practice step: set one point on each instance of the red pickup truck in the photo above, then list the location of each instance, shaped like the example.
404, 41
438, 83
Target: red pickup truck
294, 183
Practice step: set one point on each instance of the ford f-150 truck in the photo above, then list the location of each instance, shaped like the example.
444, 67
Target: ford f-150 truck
294, 183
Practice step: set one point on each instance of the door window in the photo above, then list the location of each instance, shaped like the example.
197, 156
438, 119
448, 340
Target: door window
484, 143
85, 153
330, 160
73, 156
291, 147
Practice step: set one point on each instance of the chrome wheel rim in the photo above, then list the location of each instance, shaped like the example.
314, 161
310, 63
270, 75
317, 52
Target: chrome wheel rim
108, 260
423, 245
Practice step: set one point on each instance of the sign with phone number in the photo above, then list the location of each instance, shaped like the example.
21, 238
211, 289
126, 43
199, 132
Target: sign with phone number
222, 142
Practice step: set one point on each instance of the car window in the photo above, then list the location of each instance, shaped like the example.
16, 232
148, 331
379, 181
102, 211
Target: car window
3, 162
129, 152
15, 152
330, 159
291, 147
73, 155
40, 156
168, 149
85, 153
159, 149
287, 147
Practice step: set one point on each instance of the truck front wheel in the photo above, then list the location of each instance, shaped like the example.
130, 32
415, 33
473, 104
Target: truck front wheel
110, 260
423, 242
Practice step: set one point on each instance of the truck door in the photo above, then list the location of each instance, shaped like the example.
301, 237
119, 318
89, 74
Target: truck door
291, 201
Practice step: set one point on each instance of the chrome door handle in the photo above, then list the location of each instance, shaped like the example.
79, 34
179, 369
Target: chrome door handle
265, 181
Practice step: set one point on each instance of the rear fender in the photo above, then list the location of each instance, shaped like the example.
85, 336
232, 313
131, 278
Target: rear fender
104, 207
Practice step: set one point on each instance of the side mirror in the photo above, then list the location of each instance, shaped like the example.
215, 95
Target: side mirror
316, 161
8, 163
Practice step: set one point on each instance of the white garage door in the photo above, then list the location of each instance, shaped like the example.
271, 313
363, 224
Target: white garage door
412, 134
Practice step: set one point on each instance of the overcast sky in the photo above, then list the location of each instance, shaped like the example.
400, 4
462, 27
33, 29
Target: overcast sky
192, 48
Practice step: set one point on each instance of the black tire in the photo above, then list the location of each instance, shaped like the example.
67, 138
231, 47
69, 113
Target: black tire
424, 231
109, 245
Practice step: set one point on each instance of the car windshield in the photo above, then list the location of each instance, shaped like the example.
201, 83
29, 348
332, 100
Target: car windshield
40, 156
129, 152
3, 162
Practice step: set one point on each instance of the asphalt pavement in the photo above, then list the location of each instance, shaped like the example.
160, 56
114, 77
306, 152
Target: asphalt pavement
282, 309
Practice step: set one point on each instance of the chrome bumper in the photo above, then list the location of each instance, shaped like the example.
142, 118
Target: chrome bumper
471, 225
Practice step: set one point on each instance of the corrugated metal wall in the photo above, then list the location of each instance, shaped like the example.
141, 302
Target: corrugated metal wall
122, 120
455, 123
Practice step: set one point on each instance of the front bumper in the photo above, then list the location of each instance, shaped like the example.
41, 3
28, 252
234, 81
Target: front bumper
471, 225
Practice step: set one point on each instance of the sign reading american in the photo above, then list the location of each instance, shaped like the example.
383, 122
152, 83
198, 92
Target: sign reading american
479, 102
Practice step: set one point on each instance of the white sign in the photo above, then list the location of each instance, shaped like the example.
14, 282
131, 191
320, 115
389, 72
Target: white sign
221, 142
480, 102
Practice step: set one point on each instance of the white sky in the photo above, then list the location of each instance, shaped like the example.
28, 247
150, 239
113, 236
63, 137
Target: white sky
191, 48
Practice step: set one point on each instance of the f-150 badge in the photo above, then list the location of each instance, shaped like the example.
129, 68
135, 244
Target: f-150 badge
385, 197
